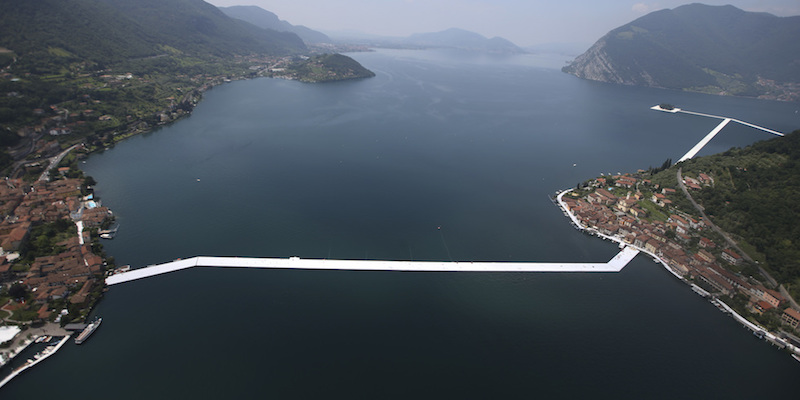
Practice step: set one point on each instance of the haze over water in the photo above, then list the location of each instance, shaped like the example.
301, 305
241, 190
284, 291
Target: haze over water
442, 156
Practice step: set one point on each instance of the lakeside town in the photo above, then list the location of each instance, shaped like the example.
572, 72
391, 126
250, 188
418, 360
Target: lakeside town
52, 264
51, 261
633, 210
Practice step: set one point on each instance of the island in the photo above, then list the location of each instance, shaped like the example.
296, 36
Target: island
320, 68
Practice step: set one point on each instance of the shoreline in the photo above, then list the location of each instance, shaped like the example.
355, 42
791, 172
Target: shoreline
560, 203
757, 330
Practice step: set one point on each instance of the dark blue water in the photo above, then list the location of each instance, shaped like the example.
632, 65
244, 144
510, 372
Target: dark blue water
371, 169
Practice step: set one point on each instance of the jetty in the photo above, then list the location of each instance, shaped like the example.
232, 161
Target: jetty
614, 265
725, 120
39, 357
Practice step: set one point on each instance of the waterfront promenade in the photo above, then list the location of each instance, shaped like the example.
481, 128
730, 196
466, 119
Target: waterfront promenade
614, 265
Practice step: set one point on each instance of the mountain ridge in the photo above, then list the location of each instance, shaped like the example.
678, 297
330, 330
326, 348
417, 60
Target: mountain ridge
452, 38
462, 39
268, 20
713, 49
112, 31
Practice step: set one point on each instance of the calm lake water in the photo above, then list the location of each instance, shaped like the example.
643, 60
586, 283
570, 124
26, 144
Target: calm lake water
371, 169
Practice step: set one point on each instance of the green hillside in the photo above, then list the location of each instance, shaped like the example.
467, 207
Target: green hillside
328, 68
98, 71
268, 20
754, 196
48, 34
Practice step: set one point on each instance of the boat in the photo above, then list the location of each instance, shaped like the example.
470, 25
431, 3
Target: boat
88, 330
699, 290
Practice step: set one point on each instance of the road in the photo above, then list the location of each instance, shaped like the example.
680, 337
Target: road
54, 161
717, 229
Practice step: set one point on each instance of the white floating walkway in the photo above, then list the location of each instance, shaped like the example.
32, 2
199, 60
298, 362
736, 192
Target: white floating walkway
714, 132
614, 265
699, 146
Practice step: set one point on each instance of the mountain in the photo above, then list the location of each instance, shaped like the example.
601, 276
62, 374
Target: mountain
453, 38
110, 31
462, 39
268, 20
713, 49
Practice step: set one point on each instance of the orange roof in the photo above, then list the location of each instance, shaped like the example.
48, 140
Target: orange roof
792, 313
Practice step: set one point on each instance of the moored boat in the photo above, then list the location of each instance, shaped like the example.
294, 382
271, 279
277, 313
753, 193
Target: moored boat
88, 331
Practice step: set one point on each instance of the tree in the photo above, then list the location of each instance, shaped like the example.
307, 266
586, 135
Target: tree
89, 181
18, 291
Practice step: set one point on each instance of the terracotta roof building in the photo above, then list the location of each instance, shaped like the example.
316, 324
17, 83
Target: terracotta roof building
791, 317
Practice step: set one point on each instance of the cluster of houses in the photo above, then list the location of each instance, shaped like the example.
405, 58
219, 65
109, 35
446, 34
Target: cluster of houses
75, 270
60, 121
618, 211
78, 116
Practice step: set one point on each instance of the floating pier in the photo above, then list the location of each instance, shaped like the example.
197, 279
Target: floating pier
614, 265
725, 120
693, 152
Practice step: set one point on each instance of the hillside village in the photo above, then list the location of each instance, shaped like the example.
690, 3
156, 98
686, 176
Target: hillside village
643, 214
49, 258
103, 107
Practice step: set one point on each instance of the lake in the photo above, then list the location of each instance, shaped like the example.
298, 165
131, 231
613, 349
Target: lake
441, 156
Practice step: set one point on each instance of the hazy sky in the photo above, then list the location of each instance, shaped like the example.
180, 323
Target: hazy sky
524, 22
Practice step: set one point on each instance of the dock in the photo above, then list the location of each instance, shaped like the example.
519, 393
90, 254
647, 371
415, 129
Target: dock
45, 354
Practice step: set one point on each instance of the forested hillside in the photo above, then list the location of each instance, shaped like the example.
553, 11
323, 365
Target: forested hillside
268, 20
755, 196
47, 35
329, 67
